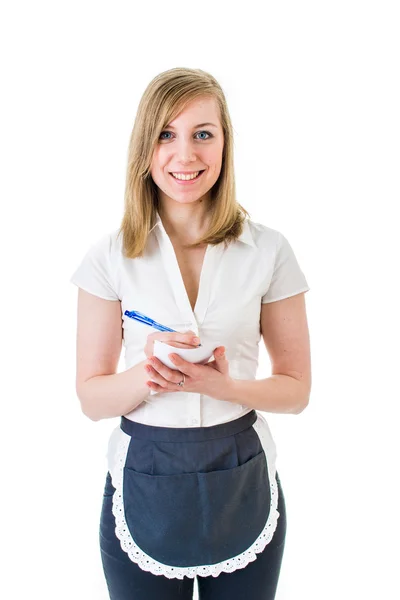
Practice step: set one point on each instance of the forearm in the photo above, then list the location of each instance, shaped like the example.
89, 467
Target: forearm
107, 396
277, 394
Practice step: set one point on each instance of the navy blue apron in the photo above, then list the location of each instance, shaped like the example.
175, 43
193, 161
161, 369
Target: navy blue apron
188, 499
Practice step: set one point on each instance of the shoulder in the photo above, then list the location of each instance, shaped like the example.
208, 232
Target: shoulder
108, 244
115, 240
105, 248
264, 237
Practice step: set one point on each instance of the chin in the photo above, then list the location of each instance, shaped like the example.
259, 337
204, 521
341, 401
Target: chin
188, 200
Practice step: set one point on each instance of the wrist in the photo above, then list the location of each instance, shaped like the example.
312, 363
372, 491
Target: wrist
231, 391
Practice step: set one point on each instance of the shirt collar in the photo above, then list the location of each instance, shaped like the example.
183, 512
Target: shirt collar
245, 237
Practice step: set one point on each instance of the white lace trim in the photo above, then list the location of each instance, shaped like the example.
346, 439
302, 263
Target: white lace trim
147, 563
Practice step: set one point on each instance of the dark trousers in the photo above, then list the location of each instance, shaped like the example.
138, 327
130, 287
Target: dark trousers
126, 581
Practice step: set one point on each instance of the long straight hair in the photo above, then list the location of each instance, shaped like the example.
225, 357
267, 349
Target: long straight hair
164, 98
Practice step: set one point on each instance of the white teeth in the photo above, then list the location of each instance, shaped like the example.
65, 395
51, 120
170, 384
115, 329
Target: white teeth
185, 177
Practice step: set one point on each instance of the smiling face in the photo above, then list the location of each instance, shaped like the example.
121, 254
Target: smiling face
192, 142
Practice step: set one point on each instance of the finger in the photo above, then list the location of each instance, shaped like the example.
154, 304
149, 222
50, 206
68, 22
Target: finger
189, 341
220, 362
167, 374
219, 352
177, 339
156, 377
183, 345
157, 388
183, 365
161, 385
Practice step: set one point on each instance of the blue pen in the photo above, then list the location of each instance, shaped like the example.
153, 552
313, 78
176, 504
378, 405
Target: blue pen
137, 316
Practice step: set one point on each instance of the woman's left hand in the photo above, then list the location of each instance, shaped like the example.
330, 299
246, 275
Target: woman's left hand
211, 379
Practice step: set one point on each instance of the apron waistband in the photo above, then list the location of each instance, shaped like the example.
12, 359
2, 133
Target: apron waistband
187, 434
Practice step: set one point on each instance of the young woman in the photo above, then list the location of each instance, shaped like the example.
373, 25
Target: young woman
192, 491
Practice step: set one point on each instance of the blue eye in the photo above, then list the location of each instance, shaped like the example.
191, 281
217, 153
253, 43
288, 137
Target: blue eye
206, 132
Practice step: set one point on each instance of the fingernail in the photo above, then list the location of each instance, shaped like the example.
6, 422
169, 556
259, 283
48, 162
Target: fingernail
196, 340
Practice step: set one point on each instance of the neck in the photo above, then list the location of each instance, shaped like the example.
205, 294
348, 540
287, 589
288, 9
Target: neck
184, 223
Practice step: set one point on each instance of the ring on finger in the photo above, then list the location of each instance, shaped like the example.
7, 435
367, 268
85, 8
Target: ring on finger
182, 383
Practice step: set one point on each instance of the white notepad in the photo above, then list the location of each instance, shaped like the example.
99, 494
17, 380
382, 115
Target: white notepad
199, 355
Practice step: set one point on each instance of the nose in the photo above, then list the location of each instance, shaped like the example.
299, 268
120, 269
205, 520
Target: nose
185, 151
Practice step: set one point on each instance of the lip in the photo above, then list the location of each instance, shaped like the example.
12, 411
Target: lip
186, 172
190, 181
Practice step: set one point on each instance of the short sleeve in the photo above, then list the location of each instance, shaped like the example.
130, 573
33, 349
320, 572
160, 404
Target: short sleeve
287, 279
95, 274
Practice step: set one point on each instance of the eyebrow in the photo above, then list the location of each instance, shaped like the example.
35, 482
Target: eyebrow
199, 125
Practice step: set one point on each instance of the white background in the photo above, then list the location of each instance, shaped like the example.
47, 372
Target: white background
313, 92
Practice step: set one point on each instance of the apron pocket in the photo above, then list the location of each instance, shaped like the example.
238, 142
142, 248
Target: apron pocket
191, 519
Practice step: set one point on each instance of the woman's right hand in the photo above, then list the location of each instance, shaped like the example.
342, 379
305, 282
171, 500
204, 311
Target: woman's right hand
176, 339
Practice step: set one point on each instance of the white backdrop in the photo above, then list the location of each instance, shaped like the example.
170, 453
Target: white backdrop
313, 92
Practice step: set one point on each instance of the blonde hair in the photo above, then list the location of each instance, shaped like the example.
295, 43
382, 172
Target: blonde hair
164, 98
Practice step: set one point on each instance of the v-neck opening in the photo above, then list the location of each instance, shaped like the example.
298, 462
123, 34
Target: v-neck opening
200, 287
172, 268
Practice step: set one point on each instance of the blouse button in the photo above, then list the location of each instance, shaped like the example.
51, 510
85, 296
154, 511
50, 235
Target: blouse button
194, 421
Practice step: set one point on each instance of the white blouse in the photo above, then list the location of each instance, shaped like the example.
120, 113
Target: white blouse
259, 267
